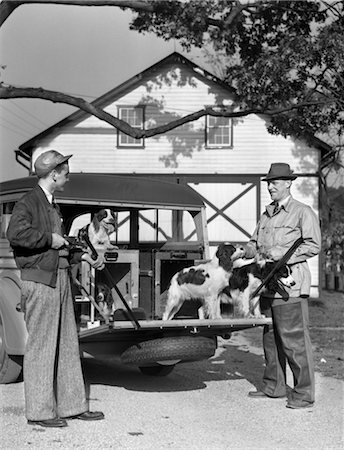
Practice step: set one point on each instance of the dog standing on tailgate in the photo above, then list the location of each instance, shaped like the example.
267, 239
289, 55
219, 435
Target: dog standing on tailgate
247, 275
204, 282
103, 223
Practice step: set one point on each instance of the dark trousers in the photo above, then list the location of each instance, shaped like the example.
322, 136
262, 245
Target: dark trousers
288, 341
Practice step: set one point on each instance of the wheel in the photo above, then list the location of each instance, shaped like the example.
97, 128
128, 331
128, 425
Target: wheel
158, 370
181, 348
10, 366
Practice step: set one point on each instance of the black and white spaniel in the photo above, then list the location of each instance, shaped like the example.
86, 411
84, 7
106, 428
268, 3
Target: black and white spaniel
246, 277
103, 223
204, 282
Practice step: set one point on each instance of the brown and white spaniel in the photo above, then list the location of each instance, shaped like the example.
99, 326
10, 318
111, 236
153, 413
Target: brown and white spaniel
247, 276
204, 282
103, 223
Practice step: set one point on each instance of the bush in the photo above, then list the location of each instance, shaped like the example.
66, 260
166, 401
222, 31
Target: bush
333, 248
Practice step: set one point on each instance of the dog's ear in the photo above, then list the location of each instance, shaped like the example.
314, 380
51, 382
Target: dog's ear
219, 251
284, 271
97, 218
224, 253
95, 222
114, 215
81, 233
225, 250
101, 214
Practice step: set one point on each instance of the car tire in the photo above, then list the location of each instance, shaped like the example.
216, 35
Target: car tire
181, 348
10, 366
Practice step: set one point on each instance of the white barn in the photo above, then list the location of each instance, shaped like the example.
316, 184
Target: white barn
221, 158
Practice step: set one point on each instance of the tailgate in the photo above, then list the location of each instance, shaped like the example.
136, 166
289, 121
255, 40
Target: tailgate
150, 329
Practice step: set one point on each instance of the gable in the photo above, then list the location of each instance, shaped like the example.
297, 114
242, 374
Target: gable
173, 60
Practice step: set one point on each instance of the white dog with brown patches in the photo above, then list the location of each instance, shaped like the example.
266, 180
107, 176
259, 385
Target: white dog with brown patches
204, 282
103, 223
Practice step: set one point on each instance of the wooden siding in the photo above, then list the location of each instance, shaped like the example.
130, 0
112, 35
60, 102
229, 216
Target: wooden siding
181, 150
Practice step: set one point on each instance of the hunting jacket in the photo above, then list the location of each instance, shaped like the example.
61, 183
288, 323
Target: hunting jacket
282, 229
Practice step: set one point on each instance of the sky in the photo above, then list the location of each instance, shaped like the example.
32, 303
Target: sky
82, 51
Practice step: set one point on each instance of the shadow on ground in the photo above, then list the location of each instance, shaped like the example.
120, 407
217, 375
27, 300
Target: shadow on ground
231, 362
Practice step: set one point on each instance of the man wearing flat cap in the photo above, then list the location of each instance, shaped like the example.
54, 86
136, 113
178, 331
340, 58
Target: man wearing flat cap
53, 380
287, 340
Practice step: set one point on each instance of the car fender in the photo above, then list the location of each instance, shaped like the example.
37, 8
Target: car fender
14, 328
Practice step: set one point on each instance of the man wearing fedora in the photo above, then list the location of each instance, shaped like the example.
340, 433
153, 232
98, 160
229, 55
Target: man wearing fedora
287, 340
53, 381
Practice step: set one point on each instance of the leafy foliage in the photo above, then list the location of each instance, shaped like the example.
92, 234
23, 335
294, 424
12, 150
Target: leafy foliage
277, 54
333, 233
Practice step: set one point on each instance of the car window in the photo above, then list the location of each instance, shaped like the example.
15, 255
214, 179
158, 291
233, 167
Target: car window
155, 226
78, 223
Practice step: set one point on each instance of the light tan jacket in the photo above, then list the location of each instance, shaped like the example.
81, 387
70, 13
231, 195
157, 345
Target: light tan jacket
293, 220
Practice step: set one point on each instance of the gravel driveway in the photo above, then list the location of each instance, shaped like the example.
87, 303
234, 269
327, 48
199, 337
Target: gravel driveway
198, 406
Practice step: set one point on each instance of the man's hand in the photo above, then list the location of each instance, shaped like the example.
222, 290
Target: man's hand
250, 251
275, 253
98, 263
58, 241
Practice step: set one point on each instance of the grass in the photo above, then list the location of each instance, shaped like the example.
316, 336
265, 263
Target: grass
326, 315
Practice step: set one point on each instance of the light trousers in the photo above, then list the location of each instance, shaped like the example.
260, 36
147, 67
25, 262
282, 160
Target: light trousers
53, 380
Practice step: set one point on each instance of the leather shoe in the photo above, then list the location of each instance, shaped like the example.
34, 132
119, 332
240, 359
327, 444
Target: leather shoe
257, 394
261, 394
57, 422
299, 405
89, 415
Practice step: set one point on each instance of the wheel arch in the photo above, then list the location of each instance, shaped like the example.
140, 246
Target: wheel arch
13, 323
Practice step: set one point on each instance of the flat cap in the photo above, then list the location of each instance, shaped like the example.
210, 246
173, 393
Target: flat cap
48, 160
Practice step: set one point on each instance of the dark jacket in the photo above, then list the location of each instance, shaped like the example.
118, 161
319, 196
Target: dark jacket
30, 235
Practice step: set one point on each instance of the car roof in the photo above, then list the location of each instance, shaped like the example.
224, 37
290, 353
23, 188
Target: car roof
108, 189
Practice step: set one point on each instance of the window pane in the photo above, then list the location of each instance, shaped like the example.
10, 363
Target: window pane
123, 228
219, 131
134, 117
165, 225
147, 226
78, 223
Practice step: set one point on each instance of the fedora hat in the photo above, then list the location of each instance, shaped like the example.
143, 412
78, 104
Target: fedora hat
280, 171
48, 161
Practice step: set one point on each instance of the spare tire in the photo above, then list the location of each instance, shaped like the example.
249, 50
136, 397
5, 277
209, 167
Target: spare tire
182, 348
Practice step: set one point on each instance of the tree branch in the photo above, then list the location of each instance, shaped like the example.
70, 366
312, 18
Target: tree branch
7, 7
8, 92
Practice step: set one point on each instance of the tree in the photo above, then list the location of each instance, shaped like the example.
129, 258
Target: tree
285, 60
